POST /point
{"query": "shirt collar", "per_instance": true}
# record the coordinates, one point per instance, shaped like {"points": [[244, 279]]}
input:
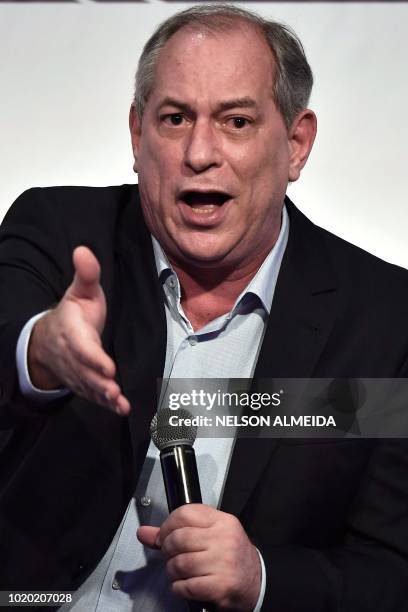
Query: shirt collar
{"points": [[163, 265], [264, 282]]}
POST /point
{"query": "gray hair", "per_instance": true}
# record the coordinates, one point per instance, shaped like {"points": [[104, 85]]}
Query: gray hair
{"points": [[293, 79]]}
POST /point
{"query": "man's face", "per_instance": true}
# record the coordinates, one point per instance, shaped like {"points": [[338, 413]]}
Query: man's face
{"points": [[213, 153]]}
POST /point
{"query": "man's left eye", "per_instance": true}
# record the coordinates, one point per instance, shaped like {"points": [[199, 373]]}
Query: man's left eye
{"points": [[239, 122]]}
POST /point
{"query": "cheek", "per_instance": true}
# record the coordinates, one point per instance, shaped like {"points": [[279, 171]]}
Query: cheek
{"points": [[266, 156], [146, 199], [159, 153], [272, 168], [150, 179], [156, 191], [264, 181]]}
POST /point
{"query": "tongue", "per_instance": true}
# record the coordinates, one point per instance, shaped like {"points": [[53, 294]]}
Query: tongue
{"points": [[197, 200]]}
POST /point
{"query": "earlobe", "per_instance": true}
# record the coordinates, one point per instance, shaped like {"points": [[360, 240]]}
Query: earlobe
{"points": [[301, 138]]}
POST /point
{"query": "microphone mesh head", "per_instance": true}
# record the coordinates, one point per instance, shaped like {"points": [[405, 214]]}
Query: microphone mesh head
{"points": [[163, 434]]}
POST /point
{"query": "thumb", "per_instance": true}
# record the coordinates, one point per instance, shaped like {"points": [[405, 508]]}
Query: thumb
{"points": [[149, 536], [87, 274]]}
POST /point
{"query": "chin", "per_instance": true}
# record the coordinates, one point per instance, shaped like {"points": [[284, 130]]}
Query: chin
{"points": [[203, 248], [204, 258], [197, 250]]}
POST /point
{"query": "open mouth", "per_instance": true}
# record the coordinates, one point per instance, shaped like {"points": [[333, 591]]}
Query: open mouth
{"points": [[204, 202]]}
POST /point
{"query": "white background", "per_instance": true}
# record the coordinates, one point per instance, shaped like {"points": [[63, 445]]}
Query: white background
{"points": [[66, 79]]}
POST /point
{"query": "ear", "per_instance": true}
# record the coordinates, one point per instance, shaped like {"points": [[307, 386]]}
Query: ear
{"points": [[301, 138], [135, 130]]}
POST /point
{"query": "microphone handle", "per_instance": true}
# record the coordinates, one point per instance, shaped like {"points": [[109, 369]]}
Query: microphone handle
{"points": [[180, 476], [182, 486]]}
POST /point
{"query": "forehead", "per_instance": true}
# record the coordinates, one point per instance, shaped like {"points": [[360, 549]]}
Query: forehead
{"points": [[205, 62]]}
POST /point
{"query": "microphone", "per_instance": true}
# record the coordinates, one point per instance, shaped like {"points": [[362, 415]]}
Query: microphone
{"points": [[179, 467]]}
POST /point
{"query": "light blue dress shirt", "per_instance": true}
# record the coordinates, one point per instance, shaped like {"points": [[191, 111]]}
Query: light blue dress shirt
{"points": [[129, 577]]}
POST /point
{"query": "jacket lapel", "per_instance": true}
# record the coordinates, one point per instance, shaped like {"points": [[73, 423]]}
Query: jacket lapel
{"points": [[302, 315], [139, 325]]}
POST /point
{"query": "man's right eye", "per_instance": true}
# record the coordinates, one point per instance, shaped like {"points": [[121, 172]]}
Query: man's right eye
{"points": [[173, 119]]}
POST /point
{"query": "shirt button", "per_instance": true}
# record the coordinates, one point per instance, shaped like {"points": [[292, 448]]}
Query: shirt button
{"points": [[192, 340], [115, 585], [172, 282], [145, 501]]}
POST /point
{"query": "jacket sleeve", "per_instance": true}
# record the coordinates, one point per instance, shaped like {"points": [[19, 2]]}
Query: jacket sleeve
{"points": [[369, 570], [33, 257]]}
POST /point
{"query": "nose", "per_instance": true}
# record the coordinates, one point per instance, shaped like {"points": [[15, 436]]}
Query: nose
{"points": [[202, 149]]}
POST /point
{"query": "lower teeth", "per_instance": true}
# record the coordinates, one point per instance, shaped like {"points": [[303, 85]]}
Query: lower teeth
{"points": [[204, 209]]}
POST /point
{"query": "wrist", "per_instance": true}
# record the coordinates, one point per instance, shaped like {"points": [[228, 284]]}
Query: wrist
{"points": [[37, 355], [255, 583]]}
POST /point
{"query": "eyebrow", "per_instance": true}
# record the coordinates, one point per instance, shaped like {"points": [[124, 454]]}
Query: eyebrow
{"points": [[244, 102], [174, 102]]}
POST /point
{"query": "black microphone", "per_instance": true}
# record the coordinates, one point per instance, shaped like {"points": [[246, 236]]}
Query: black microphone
{"points": [[179, 467]]}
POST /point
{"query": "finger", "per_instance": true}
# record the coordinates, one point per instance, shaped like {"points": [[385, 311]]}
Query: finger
{"points": [[92, 377], [86, 357], [147, 535], [87, 274], [185, 539], [91, 384], [95, 383], [104, 391], [189, 515], [104, 388], [198, 588], [122, 405], [89, 353], [189, 565], [80, 340]]}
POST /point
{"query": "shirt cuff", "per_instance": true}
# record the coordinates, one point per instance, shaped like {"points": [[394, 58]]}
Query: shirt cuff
{"points": [[26, 386], [263, 585]]}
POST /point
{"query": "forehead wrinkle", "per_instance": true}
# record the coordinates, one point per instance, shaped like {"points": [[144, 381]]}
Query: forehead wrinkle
{"points": [[244, 102]]}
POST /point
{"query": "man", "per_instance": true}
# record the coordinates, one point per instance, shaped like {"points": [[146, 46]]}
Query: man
{"points": [[219, 126]]}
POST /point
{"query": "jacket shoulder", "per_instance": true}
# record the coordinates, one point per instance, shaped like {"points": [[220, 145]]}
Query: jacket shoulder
{"points": [[356, 267], [70, 202], [44, 225]]}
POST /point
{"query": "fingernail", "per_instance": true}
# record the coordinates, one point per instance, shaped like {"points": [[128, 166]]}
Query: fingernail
{"points": [[119, 410], [108, 396]]}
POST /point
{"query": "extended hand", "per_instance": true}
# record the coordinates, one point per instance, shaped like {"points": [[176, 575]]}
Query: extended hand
{"points": [[65, 347], [210, 557]]}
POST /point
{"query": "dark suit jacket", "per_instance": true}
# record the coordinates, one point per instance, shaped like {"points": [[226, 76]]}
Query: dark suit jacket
{"points": [[330, 517]]}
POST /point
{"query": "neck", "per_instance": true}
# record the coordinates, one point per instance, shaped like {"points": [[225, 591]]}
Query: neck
{"points": [[207, 293]]}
